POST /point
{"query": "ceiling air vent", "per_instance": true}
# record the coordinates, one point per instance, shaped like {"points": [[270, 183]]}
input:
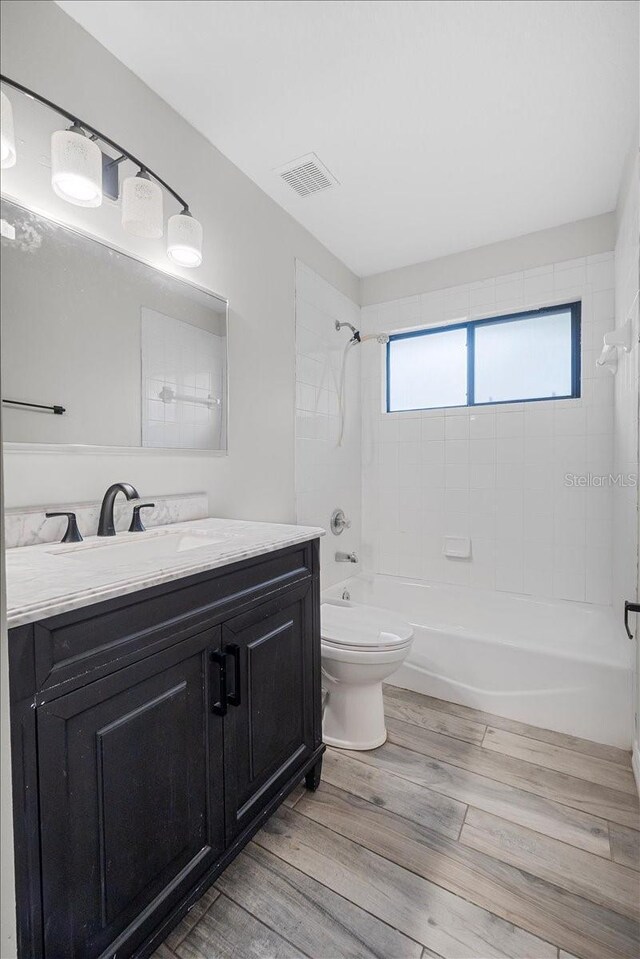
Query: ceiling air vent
{"points": [[307, 175]]}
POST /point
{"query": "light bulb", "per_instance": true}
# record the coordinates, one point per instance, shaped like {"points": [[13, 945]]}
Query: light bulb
{"points": [[7, 136], [76, 167], [184, 240], [142, 206]]}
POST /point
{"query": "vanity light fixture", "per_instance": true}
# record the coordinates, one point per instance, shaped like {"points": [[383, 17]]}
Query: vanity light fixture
{"points": [[184, 239], [142, 206], [76, 167], [7, 136], [82, 172]]}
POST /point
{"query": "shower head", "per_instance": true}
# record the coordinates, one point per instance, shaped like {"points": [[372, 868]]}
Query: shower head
{"points": [[356, 333], [358, 338]]}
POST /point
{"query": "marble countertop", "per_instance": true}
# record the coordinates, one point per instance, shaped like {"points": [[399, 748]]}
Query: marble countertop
{"points": [[49, 579]]}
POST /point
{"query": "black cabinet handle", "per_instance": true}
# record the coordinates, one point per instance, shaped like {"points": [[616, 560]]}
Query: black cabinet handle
{"points": [[234, 651], [219, 707], [630, 608]]}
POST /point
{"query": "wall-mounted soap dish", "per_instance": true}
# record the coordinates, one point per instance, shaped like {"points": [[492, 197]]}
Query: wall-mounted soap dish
{"points": [[456, 547]]}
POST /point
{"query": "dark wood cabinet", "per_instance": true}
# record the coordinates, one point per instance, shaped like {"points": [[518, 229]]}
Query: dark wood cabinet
{"points": [[269, 725], [158, 744], [131, 783]]}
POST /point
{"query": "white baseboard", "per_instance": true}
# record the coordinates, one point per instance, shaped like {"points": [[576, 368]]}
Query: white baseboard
{"points": [[635, 762]]}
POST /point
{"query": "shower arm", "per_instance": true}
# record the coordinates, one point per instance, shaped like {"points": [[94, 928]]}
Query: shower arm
{"points": [[356, 333], [358, 338]]}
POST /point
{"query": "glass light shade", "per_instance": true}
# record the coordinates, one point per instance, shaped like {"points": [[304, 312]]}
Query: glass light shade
{"points": [[142, 207], [7, 136], [184, 240], [76, 168]]}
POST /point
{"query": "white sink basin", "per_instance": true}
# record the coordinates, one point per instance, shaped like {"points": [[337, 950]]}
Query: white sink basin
{"points": [[139, 547]]}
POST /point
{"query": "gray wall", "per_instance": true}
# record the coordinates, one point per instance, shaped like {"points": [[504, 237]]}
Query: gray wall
{"points": [[582, 238], [250, 246]]}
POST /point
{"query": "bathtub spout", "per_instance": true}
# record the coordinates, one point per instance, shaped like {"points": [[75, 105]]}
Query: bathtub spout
{"points": [[346, 557]]}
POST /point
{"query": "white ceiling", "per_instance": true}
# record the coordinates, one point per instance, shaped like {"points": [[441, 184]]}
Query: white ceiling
{"points": [[448, 124]]}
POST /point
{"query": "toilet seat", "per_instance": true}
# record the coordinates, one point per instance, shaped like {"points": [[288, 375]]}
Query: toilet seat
{"points": [[365, 628], [381, 647]]}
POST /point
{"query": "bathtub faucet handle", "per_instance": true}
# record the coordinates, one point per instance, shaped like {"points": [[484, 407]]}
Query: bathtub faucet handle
{"points": [[339, 522]]}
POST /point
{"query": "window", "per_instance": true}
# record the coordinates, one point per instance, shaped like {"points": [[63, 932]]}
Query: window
{"points": [[506, 359]]}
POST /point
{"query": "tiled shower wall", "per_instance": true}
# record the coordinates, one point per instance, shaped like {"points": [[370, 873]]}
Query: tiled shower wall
{"points": [[327, 475], [495, 473]]}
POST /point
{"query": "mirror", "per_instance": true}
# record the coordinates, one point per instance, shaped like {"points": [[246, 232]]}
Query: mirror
{"points": [[101, 349]]}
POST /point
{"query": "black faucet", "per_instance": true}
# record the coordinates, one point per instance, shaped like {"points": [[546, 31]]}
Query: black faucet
{"points": [[105, 523]]}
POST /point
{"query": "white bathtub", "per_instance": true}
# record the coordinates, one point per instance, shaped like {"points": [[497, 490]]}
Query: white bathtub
{"points": [[555, 664]]}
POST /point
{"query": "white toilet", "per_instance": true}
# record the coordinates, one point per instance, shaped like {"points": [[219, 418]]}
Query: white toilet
{"points": [[361, 647]]}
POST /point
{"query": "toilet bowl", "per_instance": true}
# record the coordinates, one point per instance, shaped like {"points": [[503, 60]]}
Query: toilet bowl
{"points": [[361, 647]]}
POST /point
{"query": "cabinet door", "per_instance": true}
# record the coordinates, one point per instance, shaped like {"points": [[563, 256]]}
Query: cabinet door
{"points": [[269, 722], [131, 797]]}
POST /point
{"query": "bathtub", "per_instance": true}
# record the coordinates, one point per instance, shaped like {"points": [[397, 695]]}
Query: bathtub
{"points": [[555, 664]]}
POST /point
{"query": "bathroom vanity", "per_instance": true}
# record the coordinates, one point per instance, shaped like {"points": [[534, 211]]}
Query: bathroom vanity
{"points": [[164, 701]]}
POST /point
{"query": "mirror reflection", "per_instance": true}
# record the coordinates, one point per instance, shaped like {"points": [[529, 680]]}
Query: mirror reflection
{"points": [[101, 349]]}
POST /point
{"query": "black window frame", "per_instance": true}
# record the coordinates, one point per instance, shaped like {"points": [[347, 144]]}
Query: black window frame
{"points": [[575, 308]]}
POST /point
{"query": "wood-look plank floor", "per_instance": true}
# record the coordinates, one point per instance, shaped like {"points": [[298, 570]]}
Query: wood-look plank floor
{"points": [[466, 836]]}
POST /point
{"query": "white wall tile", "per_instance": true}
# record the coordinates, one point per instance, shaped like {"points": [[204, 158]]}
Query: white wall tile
{"points": [[433, 476], [509, 566], [456, 475], [433, 452], [510, 449], [538, 284], [482, 451], [456, 451], [456, 428], [497, 472], [432, 428], [327, 476], [509, 424], [570, 421], [600, 273], [482, 476], [482, 426], [538, 569], [409, 430], [482, 294], [569, 573]]}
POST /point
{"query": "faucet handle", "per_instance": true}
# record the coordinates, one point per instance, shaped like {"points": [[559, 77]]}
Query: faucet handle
{"points": [[339, 522], [72, 534], [136, 523]]}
